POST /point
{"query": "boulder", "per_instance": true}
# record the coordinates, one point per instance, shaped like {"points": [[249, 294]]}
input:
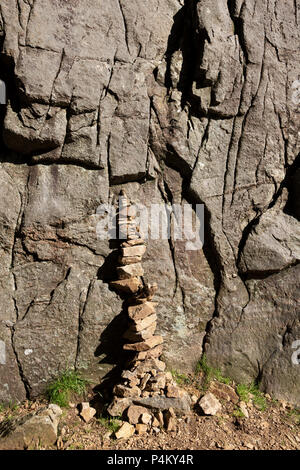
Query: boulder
{"points": [[32, 430]]}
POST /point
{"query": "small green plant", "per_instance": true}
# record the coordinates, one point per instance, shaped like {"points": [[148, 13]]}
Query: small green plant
{"points": [[180, 378], [295, 415], [246, 392], [210, 373], [238, 413], [243, 392], [112, 424], [67, 384], [76, 446]]}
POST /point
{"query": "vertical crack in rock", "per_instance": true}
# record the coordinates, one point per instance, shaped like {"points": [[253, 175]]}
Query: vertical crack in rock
{"points": [[24, 379], [221, 115], [125, 26], [167, 198], [84, 296]]}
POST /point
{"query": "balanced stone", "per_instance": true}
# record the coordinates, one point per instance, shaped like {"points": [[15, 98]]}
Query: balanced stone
{"points": [[132, 270], [144, 345], [129, 260], [124, 392], [151, 353], [145, 323], [137, 250], [140, 311], [129, 286], [137, 336], [128, 243]]}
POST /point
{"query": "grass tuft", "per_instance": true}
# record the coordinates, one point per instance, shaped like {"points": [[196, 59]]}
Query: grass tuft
{"points": [[112, 424], [210, 373], [238, 413], [246, 392], [63, 387], [181, 379]]}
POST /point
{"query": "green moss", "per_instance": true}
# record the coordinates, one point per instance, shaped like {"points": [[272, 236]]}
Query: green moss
{"points": [[63, 387], [295, 415], [210, 373], [238, 413], [112, 424], [181, 379], [246, 392]]}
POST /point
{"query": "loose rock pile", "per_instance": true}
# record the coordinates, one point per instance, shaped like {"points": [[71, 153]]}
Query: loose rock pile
{"points": [[147, 394]]}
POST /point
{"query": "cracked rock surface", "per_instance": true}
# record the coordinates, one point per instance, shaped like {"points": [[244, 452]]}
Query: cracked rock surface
{"points": [[174, 101]]}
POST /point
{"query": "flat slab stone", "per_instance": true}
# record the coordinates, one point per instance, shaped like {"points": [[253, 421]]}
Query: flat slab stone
{"points": [[130, 270], [128, 286], [141, 311], [144, 345], [160, 403], [143, 324], [137, 250]]}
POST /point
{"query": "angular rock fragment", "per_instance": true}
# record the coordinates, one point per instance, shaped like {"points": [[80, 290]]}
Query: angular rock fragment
{"points": [[143, 324], [124, 392], [31, 430], [129, 260], [134, 413], [126, 430], [172, 391], [128, 286], [209, 404], [170, 420], [87, 412], [141, 311], [161, 403], [118, 406], [129, 271], [146, 418], [136, 336], [135, 250], [141, 428], [129, 243], [150, 354], [144, 345]]}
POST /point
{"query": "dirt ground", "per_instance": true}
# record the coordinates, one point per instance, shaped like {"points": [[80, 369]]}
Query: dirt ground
{"points": [[275, 428]]}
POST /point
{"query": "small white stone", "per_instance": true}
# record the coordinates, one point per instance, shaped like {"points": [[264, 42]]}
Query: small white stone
{"points": [[27, 352]]}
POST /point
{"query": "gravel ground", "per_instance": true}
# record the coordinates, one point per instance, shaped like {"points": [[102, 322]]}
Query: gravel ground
{"points": [[277, 427]]}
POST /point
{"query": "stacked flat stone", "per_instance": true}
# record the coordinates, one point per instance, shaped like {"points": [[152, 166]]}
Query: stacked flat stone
{"points": [[146, 392]]}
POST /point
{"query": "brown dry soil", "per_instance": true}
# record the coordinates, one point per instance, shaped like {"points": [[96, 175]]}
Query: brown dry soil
{"points": [[275, 428]]}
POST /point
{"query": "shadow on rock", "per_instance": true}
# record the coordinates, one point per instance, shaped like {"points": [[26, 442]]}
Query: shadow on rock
{"points": [[111, 347]]}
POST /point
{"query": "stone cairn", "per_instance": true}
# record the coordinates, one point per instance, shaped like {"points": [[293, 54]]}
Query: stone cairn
{"points": [[147, 397]]}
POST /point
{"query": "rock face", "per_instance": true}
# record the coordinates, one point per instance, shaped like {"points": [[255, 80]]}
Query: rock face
{"points": [[194, 101]]}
